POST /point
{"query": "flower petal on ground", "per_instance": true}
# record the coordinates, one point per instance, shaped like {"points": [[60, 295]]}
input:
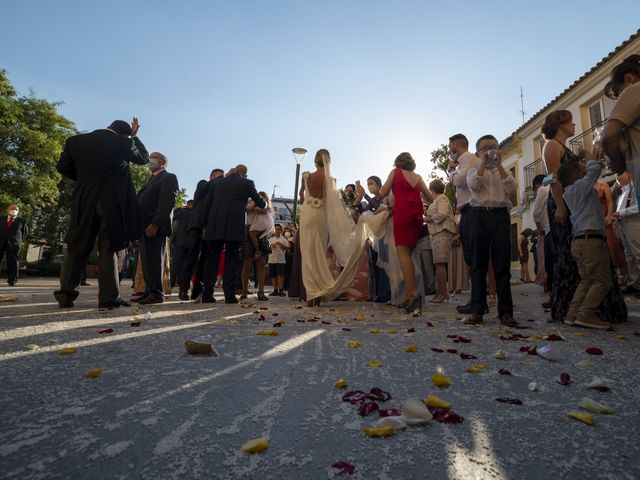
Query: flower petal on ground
{"points": [[466, 356], [374, 363], [378, 394], [583, 417], [411, 348], [354, 343], [389, 412], [93, 373], [595, 407], [343, 468], [440, 380], [354, 397], [341, 383], [256, 445], [433, 401], [379, 431], [438, 350], [511, 401], [106, 330], [593, 351], [504, 371], [67, 351], [270, 333], [367, 408], [565, 379]]}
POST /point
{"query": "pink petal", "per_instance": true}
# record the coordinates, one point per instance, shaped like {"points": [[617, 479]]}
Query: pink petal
{"points": [[261, 318], [378, 394], [354, 397], [503, 371], [325, 322], [390, 412], [366, 408], [555, 338], [438, 350], [106, 330], [344, 467], [565, 379], [512, 401], [429, 324], [452, 350], [466, 356], [445, 416]]}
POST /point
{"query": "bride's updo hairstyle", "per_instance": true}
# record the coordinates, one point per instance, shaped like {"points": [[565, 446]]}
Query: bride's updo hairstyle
{"points": [[320, 155], [405, 161], [553, 121]]}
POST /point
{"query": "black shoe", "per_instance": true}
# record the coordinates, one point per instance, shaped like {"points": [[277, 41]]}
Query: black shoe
{"points": [[117, 303], [630, 289], [65, 304], [231, 300], [473, 319], [468, 309], [183, 296], [507, 320], [208, 300], [151, 300], [85, 284], [12, 283], [65, 299]]}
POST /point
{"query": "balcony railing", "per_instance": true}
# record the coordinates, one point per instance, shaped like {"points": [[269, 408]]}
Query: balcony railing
{"points": [[530, 171], [586, 138]]}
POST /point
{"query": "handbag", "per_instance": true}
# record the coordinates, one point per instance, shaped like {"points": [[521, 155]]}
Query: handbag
{"points": [[265, 246]]}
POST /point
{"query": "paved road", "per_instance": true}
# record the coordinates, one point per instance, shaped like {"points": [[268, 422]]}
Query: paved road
{"points": [[158, 413]]}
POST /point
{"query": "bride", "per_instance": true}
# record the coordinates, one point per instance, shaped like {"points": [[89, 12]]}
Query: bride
{"points": [[325, 220]]}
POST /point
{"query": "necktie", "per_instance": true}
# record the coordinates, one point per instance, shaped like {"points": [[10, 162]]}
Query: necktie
{"points": [[9, 222]]}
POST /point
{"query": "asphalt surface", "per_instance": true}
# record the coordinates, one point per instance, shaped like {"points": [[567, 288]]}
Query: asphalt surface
{"points": [[156, 412]]}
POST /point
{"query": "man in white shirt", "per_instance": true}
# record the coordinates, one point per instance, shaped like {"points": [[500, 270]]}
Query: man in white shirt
{"points": [[491, 189], [461, 160], [628, 219], [543, 228]]}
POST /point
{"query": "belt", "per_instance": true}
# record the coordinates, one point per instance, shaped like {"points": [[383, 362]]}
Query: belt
{"points": [[586, 236], [490, 209]]}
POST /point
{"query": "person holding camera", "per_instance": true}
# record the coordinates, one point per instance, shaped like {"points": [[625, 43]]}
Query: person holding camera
{"points": [[491, 189]]}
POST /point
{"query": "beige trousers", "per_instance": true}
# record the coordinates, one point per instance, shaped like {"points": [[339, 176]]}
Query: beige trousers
{"points": [[594, 267]]}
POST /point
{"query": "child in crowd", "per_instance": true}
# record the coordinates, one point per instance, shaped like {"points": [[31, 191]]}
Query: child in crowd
{"points": [[261, 223], [588, 247], [277, 261]]}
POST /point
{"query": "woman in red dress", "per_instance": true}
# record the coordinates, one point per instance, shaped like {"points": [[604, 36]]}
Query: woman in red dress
{"points": [[407, 186]]}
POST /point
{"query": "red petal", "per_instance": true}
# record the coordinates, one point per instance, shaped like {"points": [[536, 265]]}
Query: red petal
{"points": [[565, 379], [277, 324], [378, 394], [274, 314], [555, 338], [529, 350], [452, 350], [390, 412], [445, 416], [298, 307], [345, 329], [464, 340], [135, 324], [438, 350], [106, 330], [452, 336], [354, 396], [366, 408], [503, 371], [466, 356], [429, 324], [344, 467], [411, 330], [601, 389], [593, 351], [300, 320], [261, 318], [325, 322], [512, 401]]}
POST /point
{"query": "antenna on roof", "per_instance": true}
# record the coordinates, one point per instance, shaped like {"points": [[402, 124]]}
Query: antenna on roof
{"points": [[522, 112]]}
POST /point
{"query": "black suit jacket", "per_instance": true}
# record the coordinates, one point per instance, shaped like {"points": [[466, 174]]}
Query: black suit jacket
{"points": [[15, 235], [227, 217], [180, 234], [99, 164], [156, 199]]}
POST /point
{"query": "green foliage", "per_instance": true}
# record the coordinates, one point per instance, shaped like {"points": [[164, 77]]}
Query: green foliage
{"points": [[181, 198], [140, 174], [440, 161], [32, 135]]}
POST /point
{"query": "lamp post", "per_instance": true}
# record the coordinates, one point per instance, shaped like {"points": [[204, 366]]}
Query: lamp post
{"points": [[298, 155]]}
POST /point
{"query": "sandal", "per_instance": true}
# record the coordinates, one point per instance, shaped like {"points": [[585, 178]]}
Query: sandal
{"points": [[262, 296]]}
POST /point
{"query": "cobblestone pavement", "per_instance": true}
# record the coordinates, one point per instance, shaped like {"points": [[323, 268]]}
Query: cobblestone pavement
{"points": [[156, 412]]}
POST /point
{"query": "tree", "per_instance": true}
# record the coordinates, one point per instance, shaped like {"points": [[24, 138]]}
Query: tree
{"points": [[140, 174], [440, 161], [32, 135]]}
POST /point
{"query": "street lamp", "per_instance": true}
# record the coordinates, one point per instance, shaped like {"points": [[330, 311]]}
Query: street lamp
{"points": [[298, 155]]}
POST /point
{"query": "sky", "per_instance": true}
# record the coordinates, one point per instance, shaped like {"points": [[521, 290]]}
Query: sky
{"points": [[217, 83]]}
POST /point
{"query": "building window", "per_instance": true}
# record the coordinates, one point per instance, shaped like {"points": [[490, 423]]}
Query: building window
{"points": [[596, 113]]}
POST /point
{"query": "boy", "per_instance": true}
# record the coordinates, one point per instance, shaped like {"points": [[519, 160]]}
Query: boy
{"points": [[277, 261], [589, 248]]}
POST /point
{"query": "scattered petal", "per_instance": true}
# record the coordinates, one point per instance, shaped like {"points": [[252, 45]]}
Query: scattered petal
{"points": [[354, 397], [554, 338], [579, 334], [411, 348], [361, 318], [583, 417], [593, 351], [440, 380], [31, 346], [435, 402], [374, 363], [341, 383], [354, 343], [367, 408], [500, 355], [565, 379], [466, 356], [390, 412], [595, 407], [271, 333], [392, 331], [415, 411], [438, 350], [445, 416], [429, 324], [620, 337], [275, 314], [548, 353], [256, 445], [343, 468], [277, 324], [374, 330], [511, 401], [93, 373], [135, 324], [533, 386], [346, 329], [478, 368], [584, 363], [67, 351], [106, 330], [411, 330], [378, 394], [379, 431], [503, 371], [261, 318], [147, 316], [452, 350], [325, 322]]}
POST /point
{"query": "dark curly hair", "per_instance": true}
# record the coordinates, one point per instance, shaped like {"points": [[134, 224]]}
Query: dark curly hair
{"points": [[405, 161], [631, 65], [553, 121]]}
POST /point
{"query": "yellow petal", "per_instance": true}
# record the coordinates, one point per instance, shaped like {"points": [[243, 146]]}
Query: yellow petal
{"points": [[392, 331], [374, 363], [583, 417], [255, 446], [440, 380], [272, 333], [93, 373], [67, 351], [354, 343], [361, 318], [379, 431], [621, 337], [436, 402], [579, 334], [341, 383], [595, 407], [7, 298], [411, 348], [375, 330], [31, 346], [536, 336]]}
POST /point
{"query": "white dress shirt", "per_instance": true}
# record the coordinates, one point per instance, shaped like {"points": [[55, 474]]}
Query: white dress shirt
{"points": [[459, 178], [489, 190], [627, 202], [540, 212]]}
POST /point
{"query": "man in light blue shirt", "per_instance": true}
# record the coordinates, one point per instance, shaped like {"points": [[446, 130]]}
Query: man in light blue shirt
{"points": [[589, 247]]}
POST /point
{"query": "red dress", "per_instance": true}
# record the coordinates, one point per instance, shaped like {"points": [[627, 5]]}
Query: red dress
{"points": [[407, 211]]}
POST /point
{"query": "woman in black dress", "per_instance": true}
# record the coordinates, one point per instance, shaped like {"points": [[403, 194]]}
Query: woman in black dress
{"points": [[557, 128]]}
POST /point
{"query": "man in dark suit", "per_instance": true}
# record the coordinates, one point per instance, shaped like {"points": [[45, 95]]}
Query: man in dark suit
{"points": [[103, 205], [226, 226], [181, 240], [156, 200], [13, 230]]}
